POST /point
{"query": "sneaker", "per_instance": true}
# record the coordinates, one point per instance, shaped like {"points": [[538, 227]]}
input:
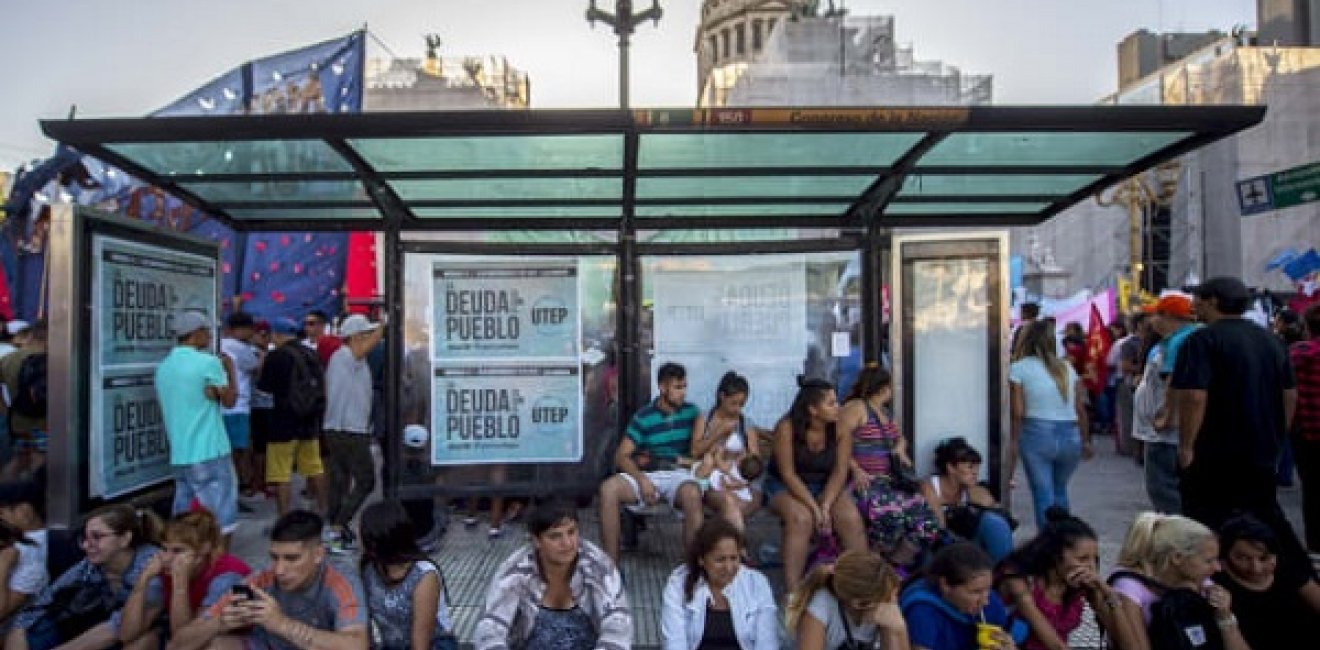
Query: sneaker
{"points": [[469, 521], [495, 533]]}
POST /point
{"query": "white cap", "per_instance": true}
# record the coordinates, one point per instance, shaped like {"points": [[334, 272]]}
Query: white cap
{"points": [[415, 436], [189, 322], [13, 327], [356, 324]]}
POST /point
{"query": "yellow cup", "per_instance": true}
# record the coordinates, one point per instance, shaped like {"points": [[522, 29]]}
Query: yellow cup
{"points": [[985, 636]]}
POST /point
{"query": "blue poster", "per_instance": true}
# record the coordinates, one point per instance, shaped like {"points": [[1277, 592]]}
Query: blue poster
{"points": [[516, 311], [506, 414]]}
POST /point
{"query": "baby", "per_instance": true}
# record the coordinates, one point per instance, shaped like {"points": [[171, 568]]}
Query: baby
{"points": [[720, 471]]}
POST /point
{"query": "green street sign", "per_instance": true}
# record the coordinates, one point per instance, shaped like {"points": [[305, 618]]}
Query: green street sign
{"points": [[1296, 186]]}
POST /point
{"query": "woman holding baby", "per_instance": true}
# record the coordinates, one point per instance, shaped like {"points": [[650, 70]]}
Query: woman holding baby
{"points": [[727, 454]]}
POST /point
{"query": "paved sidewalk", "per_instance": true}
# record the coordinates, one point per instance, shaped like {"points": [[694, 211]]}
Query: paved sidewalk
{"points": [[1107, 492]]}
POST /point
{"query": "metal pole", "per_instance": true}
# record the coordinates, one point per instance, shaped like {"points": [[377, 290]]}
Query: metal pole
{"points": [[1134, 203], [623, 70]]}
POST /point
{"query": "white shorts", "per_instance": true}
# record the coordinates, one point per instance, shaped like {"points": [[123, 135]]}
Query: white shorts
{"points": [[666, 483]]}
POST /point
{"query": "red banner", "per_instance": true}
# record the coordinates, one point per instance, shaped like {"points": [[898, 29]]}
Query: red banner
{"points": [[1098, 342]]}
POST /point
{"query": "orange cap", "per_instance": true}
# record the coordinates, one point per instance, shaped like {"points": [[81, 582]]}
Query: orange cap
{"points": [[1176, 305]]}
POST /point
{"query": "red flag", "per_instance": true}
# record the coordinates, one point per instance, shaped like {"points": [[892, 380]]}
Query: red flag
{"points": [[1098, 342]]}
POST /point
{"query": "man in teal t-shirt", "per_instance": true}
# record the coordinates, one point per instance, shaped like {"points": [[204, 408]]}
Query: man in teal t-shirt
{"points": [[191, 386]]}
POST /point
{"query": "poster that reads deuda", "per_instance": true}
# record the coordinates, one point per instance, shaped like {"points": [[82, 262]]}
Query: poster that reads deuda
{"points": [[137, 291], [130, 449], [514, 310], [490, 414]]}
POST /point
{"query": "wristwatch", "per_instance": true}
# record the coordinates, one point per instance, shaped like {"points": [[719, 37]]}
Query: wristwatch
{"points": [[1229, 621]]}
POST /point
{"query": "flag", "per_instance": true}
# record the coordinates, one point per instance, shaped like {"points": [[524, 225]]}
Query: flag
{"points": [[1098, 342]]}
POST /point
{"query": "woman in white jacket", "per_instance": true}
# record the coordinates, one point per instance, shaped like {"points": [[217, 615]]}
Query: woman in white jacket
{"points": [[713, 602]]}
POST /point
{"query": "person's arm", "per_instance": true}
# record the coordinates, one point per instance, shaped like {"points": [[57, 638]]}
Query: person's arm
{"points": [[1222, 602], [1191, 413], [850, 419], [1016, 590], [10, 600], [1017, 408], [839, 477], [497, 618], [99, 637], [673, 615], [226, 394], [265, 612], [226, 616], [810, 632], [1112, 617], [137, 616], [936, 504], [980, 496], [1083, 420], [615, 624], [425, 602], [766, 613], [705, 438]]}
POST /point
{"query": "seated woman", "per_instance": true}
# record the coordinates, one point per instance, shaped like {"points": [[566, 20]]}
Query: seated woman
{"points": [[963, 506], [404, 590], [726, 435], [713, 602], [953, 605], [1049, 581], [899, 524], [194, 571], [1272, 613], [559, 591], [1168, 554], [852, 601], [82, 608], [23, 570], [808, 477]]}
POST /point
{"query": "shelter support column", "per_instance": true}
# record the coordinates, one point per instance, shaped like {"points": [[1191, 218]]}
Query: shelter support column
{"points": [[394, 347]]}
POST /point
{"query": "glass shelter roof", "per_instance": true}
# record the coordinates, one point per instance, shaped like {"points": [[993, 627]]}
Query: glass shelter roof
{"points": [[659, 168]]}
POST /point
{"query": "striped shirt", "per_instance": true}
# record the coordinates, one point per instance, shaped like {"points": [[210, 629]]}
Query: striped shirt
{"points": [[665, 435], [1306, 364]]}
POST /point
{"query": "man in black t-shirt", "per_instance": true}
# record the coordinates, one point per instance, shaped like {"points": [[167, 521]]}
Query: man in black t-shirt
{"points": [[1235, 395], [292, 443]]}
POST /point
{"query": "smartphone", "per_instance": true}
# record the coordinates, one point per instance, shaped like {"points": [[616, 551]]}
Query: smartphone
{"points": [[243, 592]]}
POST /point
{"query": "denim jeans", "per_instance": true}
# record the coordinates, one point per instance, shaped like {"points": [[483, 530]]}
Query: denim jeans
{"points": [[1162, 477], [214, 484], [1051, 451]]}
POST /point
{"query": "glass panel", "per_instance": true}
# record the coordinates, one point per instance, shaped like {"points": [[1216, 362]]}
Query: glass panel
{"points": [[568, 212], [677, 150], [293, 214], [990, 184], [510, 188], [239, 157], [278, 191], [767, 317], [511, 152], [771, 210], [1001, 149], [516, 236], [590, 292], [721, 235], [964, 208], [737, 186]]}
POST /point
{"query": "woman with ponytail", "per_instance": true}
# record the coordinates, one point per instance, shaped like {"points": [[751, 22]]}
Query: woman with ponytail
{"points": [[713, 602], [1049, 581], [83, 607], [725, 438], [194, 572], [899, 523], [405, 592], [807, 482], [850, 604]]}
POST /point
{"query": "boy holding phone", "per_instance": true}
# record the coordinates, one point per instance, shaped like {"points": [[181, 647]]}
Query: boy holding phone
{"points": [[300, 601]]}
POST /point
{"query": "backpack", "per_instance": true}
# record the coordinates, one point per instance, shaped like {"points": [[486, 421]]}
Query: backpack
{"points": [[1180, 620], [31, 397], [306, 396]]}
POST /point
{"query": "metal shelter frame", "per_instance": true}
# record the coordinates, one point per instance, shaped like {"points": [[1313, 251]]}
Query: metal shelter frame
{"points": [[987, 166]]}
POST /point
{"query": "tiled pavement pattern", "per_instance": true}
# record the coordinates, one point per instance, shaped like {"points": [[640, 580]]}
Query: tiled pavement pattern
{"points": [[1107, 492]]}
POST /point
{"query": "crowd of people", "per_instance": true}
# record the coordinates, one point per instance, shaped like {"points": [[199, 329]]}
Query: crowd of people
{"points": [[874, 554]]}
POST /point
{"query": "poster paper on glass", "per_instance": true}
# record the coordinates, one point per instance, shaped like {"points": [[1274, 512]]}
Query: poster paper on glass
{"points": [[490, 311], [133, 449], [506, 414]]}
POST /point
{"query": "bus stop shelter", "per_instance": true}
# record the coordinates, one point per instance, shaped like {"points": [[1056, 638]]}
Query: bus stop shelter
{"points": [[538, 263]]}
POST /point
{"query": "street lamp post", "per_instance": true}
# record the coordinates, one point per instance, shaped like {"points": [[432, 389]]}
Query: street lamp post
{"points": [[624, 22], [1139, 195]]}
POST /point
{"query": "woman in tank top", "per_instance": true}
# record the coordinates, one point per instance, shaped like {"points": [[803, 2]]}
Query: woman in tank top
{"points": [[899, 524], [808, 477], [957, 468], [726, 431]]}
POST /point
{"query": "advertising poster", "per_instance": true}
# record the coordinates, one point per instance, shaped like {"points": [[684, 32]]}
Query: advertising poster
{"points": [[137, 290], [134, 449], [506, 414], [749, 316], [491, 311]]}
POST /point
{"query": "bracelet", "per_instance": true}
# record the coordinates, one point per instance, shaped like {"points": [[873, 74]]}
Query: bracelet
{"points": [[1225, 623]]}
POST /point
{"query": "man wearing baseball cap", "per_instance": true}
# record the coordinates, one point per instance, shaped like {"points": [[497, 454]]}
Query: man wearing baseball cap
{"points": [[1154, 425], [1235, 396], [348, 425], [192, 385], [292, 376]]}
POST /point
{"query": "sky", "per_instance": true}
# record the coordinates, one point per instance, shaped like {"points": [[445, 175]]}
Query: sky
{"points": [[120, 59]]}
